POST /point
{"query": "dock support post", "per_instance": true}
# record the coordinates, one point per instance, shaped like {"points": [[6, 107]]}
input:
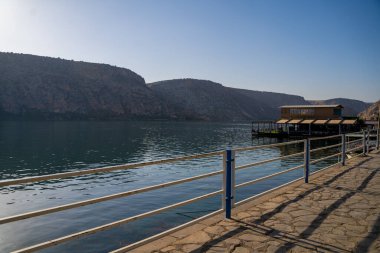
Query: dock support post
{"points": [[270, 129], [343, 149], [307, 159], [229, 181]]}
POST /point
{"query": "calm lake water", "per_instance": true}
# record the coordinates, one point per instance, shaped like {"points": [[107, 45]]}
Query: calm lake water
{"points": [[38, 148]]}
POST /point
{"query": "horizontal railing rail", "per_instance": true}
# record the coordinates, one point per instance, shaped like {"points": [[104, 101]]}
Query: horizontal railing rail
{"points": [[267, 161], [354, 141], [325, 158], [354, 149], [104, 198], [267, 146], [228, 191], [267, 177], [103, 169], [114, 224], [327, 147], [325, 137]]}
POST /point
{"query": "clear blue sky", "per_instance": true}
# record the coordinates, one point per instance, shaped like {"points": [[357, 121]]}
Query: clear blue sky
{"points": [[316, 49]]}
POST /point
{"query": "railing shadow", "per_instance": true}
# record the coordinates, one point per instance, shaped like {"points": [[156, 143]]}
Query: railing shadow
{"points": [[315, 223], [366, 243]]}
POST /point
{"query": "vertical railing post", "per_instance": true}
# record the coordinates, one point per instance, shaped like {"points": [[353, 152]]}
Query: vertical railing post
{"points": [[343, 149], [377, 138], [364, 142], [229, 181], [367, 142], [306, 159]]}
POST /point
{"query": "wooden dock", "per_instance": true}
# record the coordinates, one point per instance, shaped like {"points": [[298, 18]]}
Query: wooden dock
{"points": [[338, 211]]}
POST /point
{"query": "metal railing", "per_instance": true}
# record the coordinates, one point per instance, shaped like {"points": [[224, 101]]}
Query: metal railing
{"points": [[345, 146]]}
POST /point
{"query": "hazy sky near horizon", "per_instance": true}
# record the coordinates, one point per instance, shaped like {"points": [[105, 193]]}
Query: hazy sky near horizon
{"points": [[316, 49]]}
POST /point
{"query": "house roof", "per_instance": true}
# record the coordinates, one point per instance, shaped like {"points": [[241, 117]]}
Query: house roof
{"points": [[282, 121], [320, 121], [307, 121], [335, 122], [295, 121], [349, 121], [311, 106]]}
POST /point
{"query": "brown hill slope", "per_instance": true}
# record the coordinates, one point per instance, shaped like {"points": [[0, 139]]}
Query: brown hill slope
{"points": [[43, 87], [50, 88], [212, 101], [371, 113]]}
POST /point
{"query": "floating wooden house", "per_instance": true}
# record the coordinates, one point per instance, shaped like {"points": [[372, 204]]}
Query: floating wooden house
{"points": [[307, 120]]}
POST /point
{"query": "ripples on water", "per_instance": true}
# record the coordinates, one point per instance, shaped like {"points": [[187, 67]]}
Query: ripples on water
{"points": [[38, 148]]}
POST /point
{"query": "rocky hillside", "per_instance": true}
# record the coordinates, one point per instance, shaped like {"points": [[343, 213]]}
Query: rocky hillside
{"points": [[352, 107], [35, 87], [371, 113], [207, 100], [43, 87]]}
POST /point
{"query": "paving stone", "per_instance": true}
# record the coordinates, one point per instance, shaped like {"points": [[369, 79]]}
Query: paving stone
{"points": [[284, 216], [232, 241], [243, 215], [306, 218], [299, 213], [226, 223], [211, 221], [355, 228], [167, 249], [338, 231], [342, 220], [214, 230], [152, 246], [252, 237], [269, 205], [254, 214], [191, 248], [242, 250], [283, 227], [198, 237], [216, 249], [189, 230], [278, 199], [299, 249]]}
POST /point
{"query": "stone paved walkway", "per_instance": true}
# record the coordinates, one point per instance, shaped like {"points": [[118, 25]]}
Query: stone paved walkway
{"points": [[338, 211]]}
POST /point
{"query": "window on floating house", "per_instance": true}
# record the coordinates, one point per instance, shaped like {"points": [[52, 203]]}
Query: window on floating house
{"points": [[338, 112], [302, 112]]}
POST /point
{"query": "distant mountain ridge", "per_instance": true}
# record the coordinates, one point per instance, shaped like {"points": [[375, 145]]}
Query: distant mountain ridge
{"points": [[44, 87], [35, 87], [352, 107], [212, 101]]}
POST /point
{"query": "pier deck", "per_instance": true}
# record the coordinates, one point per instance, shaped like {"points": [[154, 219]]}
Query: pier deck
{"points": [[338, 211]]}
